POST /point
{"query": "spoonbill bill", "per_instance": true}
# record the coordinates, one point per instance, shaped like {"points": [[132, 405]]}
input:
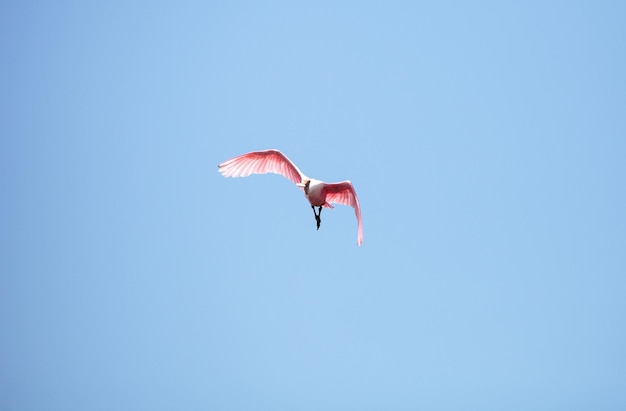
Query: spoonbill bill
{"points": [[319, 193]]}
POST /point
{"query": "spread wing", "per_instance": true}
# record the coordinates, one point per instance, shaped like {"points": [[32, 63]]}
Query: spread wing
{"points": [[343, 193], [261, 162]]}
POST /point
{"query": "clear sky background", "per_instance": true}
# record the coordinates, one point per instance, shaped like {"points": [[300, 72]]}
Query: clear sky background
{"points": [[486, 142]]}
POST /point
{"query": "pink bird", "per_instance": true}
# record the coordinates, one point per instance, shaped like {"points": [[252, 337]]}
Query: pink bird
{"points": [[319, 193]]}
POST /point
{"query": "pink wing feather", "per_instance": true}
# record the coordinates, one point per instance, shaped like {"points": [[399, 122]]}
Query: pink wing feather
{"points": [[343, 193], [261, 162]]}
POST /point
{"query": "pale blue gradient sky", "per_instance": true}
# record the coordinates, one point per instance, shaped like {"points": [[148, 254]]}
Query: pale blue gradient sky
{"points": [[486, 141]]}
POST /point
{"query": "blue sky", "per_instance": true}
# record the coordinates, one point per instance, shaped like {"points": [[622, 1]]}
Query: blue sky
{"points": [[486, 142]]}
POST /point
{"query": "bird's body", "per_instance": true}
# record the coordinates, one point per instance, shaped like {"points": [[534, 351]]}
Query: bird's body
{"points": [[315, 194], [318, 193]]}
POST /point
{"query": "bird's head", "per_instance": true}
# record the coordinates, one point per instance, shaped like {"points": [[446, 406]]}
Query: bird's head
{"points": [[305, 185]]}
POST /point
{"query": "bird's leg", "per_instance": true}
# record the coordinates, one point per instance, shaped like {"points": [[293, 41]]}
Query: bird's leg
{"points": [[317, 216]]}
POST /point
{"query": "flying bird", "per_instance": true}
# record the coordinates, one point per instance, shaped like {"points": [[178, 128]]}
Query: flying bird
{"points": [[319, 193]]}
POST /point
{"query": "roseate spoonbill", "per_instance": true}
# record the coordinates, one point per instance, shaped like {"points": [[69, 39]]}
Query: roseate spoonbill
{"points": [[319, 193]]}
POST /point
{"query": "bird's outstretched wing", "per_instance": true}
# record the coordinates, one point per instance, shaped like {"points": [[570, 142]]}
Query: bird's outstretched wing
{"points": [[343, 193], [261, 162]]}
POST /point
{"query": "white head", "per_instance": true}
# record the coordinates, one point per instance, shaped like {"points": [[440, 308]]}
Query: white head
{"points": [[305, 185]]}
